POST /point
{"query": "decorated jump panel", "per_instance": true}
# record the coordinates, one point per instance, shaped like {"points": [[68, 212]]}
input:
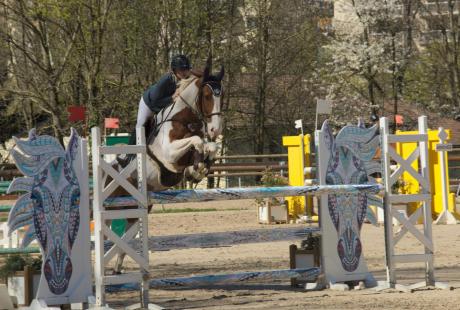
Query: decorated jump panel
{"points": [[345, 159], [55, 211]]}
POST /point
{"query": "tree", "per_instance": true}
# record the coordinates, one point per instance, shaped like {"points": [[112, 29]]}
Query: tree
{"points": [[370, 49], [40, 42]]}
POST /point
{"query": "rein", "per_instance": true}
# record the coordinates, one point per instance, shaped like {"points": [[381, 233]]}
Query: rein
{"points": [[197, 110]]}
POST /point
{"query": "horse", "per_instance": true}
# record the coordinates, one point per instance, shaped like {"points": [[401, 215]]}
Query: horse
{"points": [[182, 144]]}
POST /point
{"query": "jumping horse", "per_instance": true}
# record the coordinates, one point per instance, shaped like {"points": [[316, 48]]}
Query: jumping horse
{"points": [[182, 143]]}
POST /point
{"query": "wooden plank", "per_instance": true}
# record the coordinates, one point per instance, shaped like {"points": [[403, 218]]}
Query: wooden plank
{"points": [[127, 236], [400, 168], [407, 166], [223, 239], [123, 214], [122, 149], [223, 279], [413, 220], [245, 164], [215, 168], [412, 258], [5, 208], [239, 174], [395, 199], [407, 138], [413, 230], [125, 173], [142, 261], [252, 156], [123, 278], [123, 182]]}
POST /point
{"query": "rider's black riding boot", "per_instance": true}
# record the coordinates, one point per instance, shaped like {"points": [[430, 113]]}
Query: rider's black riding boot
{"points": [[125, 160]]}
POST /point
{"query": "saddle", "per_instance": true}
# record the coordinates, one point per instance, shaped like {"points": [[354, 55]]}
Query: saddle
{"points": [[150, 134]]}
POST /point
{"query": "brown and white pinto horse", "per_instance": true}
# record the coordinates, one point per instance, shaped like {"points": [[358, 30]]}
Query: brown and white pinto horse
{"points": [[183, 142]]}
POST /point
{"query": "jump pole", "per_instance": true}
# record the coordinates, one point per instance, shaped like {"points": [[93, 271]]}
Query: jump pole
{"points": [[186, 196], [220, 279]]}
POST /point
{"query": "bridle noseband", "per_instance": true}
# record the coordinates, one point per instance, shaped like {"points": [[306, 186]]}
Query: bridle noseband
{"points": [[216, 91]]}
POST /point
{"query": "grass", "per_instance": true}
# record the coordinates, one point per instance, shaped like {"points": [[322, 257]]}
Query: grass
{"points": [[185, 210]]}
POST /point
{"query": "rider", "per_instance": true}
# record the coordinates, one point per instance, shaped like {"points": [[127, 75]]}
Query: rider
{"points": [[158, 96], [161, 94]]}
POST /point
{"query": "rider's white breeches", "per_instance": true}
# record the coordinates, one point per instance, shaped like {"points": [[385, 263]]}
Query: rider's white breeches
{"points": [[143, 114]]}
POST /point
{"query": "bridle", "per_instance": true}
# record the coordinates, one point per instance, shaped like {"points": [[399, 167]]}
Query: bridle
{"points": [[216, 91], [197, 109]]}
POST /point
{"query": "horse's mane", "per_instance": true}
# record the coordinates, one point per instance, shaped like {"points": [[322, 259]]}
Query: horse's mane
{"points": [[184, 83]]}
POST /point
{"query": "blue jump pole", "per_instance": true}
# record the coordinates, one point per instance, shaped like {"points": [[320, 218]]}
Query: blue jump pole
{"points": [[211, 280], [183, 196]]}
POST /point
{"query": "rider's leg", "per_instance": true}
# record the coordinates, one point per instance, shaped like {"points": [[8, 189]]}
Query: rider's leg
{"points": [[143, 115]]}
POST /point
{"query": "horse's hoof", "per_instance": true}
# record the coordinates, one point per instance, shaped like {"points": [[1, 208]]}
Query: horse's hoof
{"points": [[114, 272]]}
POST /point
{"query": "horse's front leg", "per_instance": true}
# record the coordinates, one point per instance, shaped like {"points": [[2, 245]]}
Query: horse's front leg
{"points": [[178, 148], [196, 175]]}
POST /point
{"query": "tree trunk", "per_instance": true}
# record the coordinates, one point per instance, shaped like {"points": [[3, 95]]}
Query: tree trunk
{"points": [[262, 60]]}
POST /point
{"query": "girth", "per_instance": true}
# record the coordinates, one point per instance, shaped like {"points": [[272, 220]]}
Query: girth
{"points": [[168, 178]]}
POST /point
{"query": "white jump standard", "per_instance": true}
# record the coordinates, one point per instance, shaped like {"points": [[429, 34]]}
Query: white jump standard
{"points": [[345, 165]]}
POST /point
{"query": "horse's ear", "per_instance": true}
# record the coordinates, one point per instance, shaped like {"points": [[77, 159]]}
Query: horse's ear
{"points": [[207, 69], [220, 76]]}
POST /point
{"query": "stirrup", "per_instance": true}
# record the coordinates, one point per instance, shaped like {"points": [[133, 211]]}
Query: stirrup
{"points": [[125, 160]]}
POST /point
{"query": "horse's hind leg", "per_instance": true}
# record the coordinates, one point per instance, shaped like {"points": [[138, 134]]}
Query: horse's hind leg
{"points": [[121, 256]]}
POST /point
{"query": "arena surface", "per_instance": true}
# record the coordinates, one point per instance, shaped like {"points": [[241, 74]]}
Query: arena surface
{"points": [[242, 215]]}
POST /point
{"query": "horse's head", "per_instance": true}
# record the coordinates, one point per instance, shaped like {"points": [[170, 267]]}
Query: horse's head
{"points": [[210, 101], [51, 205]]}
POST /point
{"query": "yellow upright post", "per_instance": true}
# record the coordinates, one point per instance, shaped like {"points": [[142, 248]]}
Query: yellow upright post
{"points": [[296, 205], [411, 186]]}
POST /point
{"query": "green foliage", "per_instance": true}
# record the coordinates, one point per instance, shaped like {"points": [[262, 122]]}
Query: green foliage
{"points": [[104, 54], [17, 262], [270, 178]]}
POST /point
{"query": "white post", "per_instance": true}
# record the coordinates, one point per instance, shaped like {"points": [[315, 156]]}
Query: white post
{"points": [[85, 209], [446, 217], [426, 204], [388, 223], [98, 207], [299, 125], [144, 228]]}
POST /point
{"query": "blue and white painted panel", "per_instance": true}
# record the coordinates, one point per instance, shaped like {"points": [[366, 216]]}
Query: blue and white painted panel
{"points": [[55, 211], [345, 159]]}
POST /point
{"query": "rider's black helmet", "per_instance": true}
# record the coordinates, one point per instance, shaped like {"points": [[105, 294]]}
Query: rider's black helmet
{"points": [[180, 62]]}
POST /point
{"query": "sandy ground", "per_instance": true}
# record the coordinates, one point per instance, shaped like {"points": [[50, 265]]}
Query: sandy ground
{"points": [[241, 215]]}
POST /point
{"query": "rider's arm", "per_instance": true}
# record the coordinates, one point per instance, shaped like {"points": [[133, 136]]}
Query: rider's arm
{"points": [[160, 95]]}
